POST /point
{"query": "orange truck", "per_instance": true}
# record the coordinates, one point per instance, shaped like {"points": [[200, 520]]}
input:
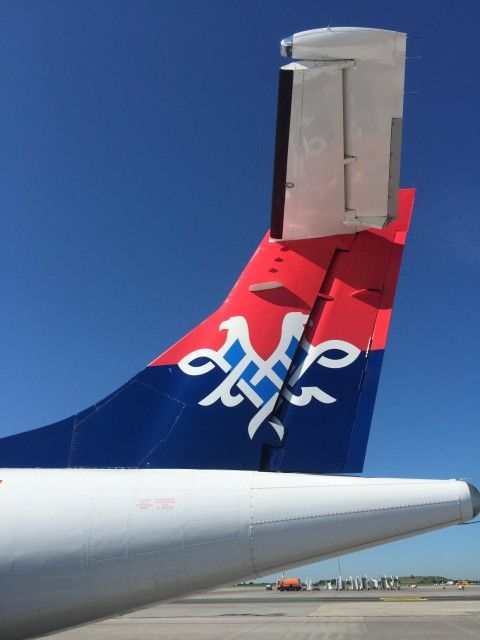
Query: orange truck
{"points": [[289, 584]]}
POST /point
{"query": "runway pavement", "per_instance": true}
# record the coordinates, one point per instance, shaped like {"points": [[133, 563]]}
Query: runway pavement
{"points": [[254, 613]]}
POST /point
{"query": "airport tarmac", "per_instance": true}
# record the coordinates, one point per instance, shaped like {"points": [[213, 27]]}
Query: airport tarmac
{"points": [[254, 613]]}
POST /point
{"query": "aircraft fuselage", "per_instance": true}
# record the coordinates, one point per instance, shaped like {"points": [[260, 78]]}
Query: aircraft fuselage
{"points": [[82, 544]]}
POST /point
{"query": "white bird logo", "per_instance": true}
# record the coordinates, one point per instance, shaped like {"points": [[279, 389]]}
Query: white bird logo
{"points": [[261, 381]]}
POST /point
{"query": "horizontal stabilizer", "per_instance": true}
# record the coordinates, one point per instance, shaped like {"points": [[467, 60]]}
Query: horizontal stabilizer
{"points": [[339, 128]]}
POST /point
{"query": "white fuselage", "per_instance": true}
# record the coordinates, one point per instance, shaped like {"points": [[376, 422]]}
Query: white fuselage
{"points": [[78, 544]]}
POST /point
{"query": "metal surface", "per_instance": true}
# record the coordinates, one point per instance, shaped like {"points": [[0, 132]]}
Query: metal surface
{"points": [[344, 140], [78, 545]]}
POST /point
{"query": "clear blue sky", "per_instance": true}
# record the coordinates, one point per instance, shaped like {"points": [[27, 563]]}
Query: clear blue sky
{"points": [[136, 166]]}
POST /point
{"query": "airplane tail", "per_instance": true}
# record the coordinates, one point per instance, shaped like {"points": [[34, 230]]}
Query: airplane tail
{"points": [[283, 376]]}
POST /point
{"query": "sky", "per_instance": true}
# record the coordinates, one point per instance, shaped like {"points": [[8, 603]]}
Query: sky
{"points": [[136, 167]]}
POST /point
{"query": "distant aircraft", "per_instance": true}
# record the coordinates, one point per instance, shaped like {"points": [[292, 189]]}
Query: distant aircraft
{"points": [[172, 484]]}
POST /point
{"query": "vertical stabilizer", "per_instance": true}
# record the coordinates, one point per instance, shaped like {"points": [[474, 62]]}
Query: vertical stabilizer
{"points": [[284, 375]]}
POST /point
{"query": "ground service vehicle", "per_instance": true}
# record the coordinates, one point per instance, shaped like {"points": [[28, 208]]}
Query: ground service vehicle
{"points": [[289, 584]]}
